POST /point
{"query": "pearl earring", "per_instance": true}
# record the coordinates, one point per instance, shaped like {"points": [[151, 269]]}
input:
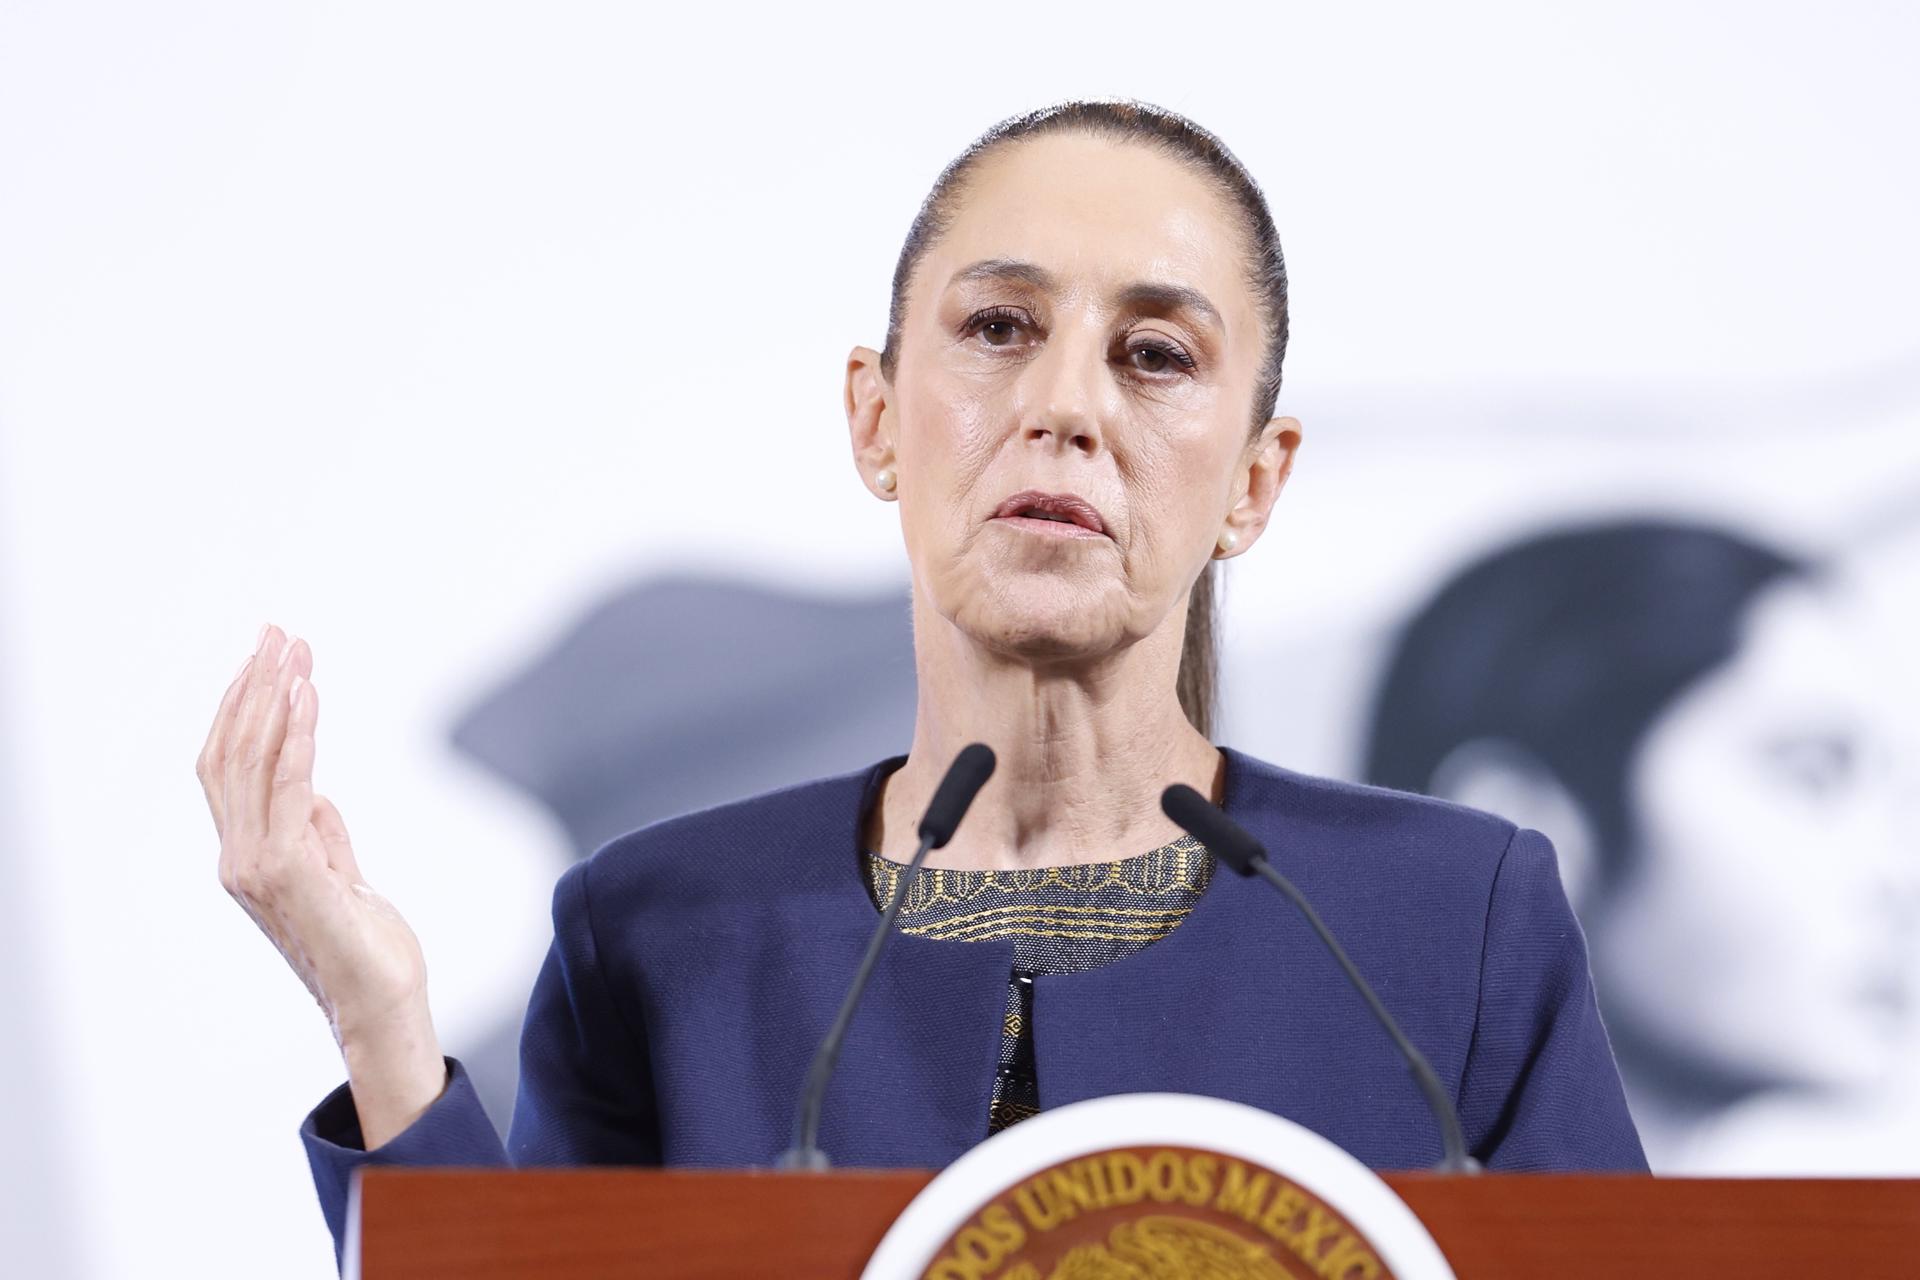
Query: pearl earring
{"points": [[1228, 540], [885, 479]]}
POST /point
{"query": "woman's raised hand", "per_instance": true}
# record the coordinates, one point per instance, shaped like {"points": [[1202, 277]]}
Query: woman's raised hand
{"points": [[285, 857]]}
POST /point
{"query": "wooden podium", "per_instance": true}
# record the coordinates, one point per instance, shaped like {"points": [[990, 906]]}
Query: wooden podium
{"points": [[569, 1224]]}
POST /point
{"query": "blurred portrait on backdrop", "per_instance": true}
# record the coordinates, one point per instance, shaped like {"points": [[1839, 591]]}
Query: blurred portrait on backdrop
{"points": [[1691, 715]]}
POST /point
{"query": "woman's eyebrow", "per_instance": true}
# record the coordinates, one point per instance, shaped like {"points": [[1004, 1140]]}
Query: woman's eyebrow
{"points": [[1142, 295], [1012, 269], [1159, 299]]}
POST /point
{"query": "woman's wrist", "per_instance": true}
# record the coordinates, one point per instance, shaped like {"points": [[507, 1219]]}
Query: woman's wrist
{"points": [[395, 1074]]}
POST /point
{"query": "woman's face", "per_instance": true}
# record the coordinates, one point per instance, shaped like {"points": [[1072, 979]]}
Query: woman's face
{"points": [[1765, 932], [1084, 329]]}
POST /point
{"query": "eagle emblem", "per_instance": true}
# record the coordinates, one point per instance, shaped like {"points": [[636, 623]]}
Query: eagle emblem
{"points": [[1162, 1247]]}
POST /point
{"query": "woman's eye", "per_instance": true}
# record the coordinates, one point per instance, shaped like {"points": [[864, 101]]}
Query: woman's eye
{"points": [[1000, 327], [1160, 358]]}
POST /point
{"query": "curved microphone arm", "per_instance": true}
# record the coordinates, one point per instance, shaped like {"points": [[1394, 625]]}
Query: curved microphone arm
{"points": [[1235, 846], [951, 799], [1452, 1141], [805, 1152]]}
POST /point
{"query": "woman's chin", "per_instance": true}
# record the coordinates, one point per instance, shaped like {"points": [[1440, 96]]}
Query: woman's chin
{"points": [[1042, 616], [1050, 632]]}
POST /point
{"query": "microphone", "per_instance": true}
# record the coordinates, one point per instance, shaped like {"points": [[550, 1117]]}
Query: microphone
{"points": [[1236, 847], [965, 776]]}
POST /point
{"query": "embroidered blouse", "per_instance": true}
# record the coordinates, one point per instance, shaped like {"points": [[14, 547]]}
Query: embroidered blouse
{"points": [[1060, 920]]}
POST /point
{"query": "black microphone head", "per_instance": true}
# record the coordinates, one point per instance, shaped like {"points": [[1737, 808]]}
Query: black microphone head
{"points": [[965, 776], [1228, 841]]}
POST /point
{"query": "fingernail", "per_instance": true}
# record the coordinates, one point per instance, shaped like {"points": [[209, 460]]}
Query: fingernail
{"points": [[262, 637], [293, 694], [245, 663], [287, 652]]}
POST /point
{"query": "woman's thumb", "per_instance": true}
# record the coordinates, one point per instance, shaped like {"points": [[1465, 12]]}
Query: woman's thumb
{"points": [[333, 835]]}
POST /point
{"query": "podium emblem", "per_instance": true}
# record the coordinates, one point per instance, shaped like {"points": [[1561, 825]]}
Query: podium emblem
{"points": [[1157, 1186]]}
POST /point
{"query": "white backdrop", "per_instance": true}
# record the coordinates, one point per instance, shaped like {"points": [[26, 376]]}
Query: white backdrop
{"points": [[411, 327]]}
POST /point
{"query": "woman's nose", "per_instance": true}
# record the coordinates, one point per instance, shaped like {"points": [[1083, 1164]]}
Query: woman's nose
{"points": [[1067, 396]]}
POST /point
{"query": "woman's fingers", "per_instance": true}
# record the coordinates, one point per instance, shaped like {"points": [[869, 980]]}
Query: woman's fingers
{"points": [[290, 788], [249, 807], [244, 745], [220, 741], [211, 766]]}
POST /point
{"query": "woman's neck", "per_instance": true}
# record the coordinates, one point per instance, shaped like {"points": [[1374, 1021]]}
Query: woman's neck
{"points": [[1082, 752]]}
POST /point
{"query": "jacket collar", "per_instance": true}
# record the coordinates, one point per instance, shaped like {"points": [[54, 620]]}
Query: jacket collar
{"points": [[1242, 797]]}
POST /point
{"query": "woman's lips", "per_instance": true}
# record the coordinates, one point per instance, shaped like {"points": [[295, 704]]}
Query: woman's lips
{"points": [[1052, 514], [1047, 528]]}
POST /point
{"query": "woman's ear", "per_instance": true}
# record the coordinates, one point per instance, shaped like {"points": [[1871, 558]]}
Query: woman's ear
{"points": [[1264, 468], [870, 422], [1503, 777]]}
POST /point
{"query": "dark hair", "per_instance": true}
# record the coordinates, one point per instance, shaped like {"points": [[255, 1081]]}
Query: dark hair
{"points": [[1569, 644], [1173, 135]]}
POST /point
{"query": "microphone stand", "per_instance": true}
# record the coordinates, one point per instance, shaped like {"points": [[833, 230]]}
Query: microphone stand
{"points": [[962, 782], [805, 1152]]}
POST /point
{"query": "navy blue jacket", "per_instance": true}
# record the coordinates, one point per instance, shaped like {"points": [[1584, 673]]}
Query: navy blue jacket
{"points": [[697, 961]]}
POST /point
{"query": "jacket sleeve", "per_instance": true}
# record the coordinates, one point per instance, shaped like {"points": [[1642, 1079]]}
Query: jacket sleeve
{"points": [[1540, 1089], [585, 1092]]}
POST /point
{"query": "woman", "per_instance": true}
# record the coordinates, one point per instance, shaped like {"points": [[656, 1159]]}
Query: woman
{"points": [[1692, 717], [1073, 410]]}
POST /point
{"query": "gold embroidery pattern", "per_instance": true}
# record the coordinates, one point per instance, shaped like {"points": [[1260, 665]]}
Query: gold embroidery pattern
{"points": [[1054, 922], [1182, 867], [1002, 1112]]}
